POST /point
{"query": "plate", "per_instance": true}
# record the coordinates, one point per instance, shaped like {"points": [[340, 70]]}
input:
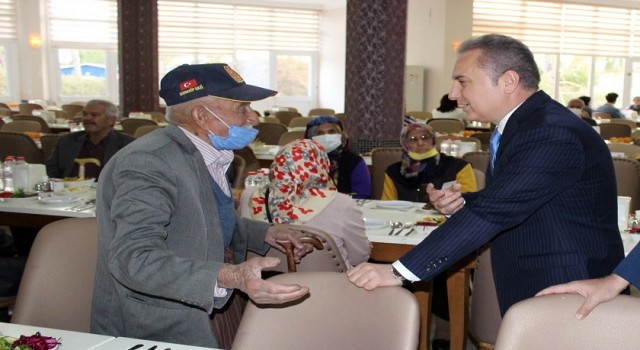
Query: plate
{"points": [[73, 191], [18, 200], [374, 224], [428, 211], [59, 200], [69, 184], [401, 205]]}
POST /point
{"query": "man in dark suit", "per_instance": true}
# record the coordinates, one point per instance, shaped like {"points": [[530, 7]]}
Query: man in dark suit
{"points": [[549, 209], [98, 140]]}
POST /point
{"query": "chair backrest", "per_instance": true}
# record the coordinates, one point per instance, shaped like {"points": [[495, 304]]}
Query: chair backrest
{"points": [[22, 126], [48, 143], [44, 127], [57, 283], [424, 115], [28, 108], [129, 125], [381, 158], [327, 259], [549, 322], [628, 179], [158, 117], [273, 120], [299, 122], [290, 136], [286, 116], [336, 314], [71, 110], [5, 112], [484, 315], [239, 171], [601, 115], [144, 129], [484, 137], [609, 130], [629, 122], [479, 160], [19, 144], [321, 111], [341, 118], [480, 179], [251, 161], [446, 125], [631, 151], [270, 133]]}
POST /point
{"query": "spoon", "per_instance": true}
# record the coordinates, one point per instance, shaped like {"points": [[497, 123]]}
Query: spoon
{"points": [[409, 227], [396, 225]]}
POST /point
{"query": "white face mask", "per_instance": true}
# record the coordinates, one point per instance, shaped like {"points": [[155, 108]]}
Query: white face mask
{"points": [[329, 141]]}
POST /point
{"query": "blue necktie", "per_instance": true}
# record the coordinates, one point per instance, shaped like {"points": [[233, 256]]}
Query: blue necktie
{"points": [[494, 142]]}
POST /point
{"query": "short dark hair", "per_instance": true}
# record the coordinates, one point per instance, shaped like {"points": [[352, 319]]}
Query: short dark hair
{"points": [[611, 97], [447, 105], [586, 99], [501, 53]]}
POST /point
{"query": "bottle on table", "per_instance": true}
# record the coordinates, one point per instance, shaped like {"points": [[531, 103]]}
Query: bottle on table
{"points": [[445, 146], [7, 175], [21, 174]]}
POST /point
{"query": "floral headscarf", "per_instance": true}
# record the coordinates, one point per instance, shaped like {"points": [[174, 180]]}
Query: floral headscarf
{"points": [[411, 167], [299, 185]]}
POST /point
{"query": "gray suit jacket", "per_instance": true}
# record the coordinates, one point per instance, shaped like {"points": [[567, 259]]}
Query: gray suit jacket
{"points": [[160, 246], [62, 160]]}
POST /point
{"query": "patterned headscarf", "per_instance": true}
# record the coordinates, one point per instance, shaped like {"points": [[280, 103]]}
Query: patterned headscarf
{"points": [[335, 154], [299, 184], [411, 167]]}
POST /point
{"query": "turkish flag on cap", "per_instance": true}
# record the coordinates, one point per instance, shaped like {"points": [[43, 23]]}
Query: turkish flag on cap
{"points": [[188, 84]]}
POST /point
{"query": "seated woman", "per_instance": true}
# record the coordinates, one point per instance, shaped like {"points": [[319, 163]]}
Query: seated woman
{"points": [[348, 170], [448, 109], [300, 191], [406, 180]]}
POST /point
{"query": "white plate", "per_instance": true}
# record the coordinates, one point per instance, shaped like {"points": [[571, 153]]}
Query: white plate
{"points": [[401, 205], [73, 191], [428, 211], [60, 200], [374, 224], [18, 200]]}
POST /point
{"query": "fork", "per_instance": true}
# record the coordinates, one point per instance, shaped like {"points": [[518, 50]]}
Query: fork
{"points": [[407, 226], [90, 201]]}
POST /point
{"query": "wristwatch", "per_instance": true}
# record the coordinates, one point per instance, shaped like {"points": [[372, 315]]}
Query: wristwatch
{"points": [[397, 274]]}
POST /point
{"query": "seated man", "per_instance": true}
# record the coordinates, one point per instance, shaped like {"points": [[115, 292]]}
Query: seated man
{"points": [[609, 106], [98, 140]]}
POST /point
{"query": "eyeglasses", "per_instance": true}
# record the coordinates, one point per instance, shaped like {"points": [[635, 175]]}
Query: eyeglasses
{"points": [[414, 139]]}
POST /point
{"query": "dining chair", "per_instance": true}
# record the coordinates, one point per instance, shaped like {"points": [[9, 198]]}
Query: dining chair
{"points": [[286, 116], [549, 322], [129, 125], [44, 127], [145, 129], [479, 160], [628, 179], [601, 115], [480, 179], [631, 151], [484, 313], [5, 112], [158, 117], [57, 284], [270, 133], [251, 161], [47, 144], [423, 115], [273, 120], [381, 158], [321, 111], [484, 137], [71, 110], [341, 117], [290, 136], [28, 108], [335, 314], [19, 144], [609, 130], [22, 126], [445, 125], [629, 122], [298, 122]]}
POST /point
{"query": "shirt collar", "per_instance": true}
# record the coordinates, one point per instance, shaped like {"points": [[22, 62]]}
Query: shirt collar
{"points": [[210, 154], [504, 120]]}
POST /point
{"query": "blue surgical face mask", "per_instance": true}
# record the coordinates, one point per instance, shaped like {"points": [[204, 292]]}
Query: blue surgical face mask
{"points": [[239, 136]]}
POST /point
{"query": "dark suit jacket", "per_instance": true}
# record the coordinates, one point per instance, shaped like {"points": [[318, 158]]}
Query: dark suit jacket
{"points": [[62, 160], [629, 268], [549, 209]]}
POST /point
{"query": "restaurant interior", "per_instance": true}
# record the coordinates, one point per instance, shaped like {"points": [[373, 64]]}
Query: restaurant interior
{"points": [[364, 62]]}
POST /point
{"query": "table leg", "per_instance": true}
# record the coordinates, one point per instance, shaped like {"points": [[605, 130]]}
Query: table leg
{"points": [[458, 297], [422, 291]]}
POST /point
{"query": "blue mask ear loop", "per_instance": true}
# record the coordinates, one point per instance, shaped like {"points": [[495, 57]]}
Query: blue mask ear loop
{"points": [[220, 119]]}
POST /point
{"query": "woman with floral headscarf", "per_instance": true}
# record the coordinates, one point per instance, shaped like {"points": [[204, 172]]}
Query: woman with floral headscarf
{"points": [[301, 191], [422, 164], [348, 170]]}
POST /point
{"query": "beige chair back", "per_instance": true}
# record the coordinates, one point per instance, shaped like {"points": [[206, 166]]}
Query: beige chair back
{"points": [[158, 117], [484, 137], [22, 126], [28, 108], [600, 115], [270, 133], [628, 180], [609, 130], [484, 315], [549, 322], [381, 158], [129, 125], [451, 126], [71, 110], [341, 117], [19, 144], [631, 151], [298, 122], [335, 315], [290, 136], [273, 120], [321, 111], [479, 160], [44, 127], [286, 116], [423, 115], [145, 129], [5, 112], [480, 179], [57, 284], [47, 144], [629, 122]]}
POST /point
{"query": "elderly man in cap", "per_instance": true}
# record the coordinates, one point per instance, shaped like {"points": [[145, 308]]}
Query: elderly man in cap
{"points": [[166, 214]]}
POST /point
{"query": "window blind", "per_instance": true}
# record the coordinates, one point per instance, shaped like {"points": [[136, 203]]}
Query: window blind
{"points": [[199, 27], [7, 19], [562, 27], [87, 21]]}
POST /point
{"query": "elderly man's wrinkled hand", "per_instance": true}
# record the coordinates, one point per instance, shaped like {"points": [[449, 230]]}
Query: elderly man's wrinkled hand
{"points": [[371, 276], [280, 232], [247, 278], [446, 201]]}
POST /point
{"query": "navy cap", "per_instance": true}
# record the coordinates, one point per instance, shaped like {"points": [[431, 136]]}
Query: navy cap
{"points": [[191, 81]]}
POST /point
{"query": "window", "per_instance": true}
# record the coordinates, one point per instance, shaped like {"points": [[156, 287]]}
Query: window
{"points": [[83, 40], [270, 47], [9, 88], [581, 49]]}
